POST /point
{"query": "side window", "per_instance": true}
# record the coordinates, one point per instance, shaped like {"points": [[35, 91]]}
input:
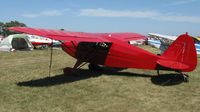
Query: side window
{"points": [[103, 45], [95, 45]]}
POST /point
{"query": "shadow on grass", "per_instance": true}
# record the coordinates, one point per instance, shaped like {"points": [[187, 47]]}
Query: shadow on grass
{"points": [[81, 74], [167, 79]]}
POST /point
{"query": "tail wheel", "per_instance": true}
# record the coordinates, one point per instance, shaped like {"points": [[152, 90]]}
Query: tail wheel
{"points": [[185, 78]]}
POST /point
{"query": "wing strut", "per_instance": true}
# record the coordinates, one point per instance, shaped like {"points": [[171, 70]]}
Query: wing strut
{"points": [[50, 64]]}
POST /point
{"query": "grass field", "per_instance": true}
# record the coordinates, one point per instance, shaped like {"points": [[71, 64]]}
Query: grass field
{"points": [[25, 87]]}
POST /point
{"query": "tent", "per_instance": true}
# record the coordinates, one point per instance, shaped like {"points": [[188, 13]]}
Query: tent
{"points": [[1, 38], [15, 42]]}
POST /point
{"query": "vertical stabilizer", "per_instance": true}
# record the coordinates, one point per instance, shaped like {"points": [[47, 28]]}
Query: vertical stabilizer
{"points": [[181, 55]]}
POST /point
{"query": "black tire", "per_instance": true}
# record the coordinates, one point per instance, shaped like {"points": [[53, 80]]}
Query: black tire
{"points": [[94, 67]]}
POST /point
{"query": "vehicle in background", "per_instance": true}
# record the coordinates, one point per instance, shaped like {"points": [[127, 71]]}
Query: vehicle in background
{"points": [[164, 41], [43, 42]]}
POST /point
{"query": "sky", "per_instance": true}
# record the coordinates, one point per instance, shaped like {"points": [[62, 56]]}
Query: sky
{"points": [[169, 17]]}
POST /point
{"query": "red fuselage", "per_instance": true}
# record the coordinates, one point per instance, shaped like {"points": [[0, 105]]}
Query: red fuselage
{"points": [[115, 54]]}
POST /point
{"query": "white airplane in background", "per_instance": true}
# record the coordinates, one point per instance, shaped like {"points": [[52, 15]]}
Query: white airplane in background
{"points": [[40, 41], [163, 41], [163, 36]]}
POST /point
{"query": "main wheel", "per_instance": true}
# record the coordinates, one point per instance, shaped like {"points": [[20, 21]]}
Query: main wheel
{"points": [[68, 71], [94, 67]]}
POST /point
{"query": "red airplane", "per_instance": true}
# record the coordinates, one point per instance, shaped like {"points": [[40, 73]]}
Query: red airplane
{"points": [[113, 50]]}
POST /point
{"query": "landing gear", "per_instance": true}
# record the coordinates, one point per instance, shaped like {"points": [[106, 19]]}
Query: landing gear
{"points": [[94, 67], [185, 77], [68, 71], [158, 72]]}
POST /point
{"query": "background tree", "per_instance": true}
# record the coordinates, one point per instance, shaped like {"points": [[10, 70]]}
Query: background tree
{"points": [[4, 27], [1, 28]]}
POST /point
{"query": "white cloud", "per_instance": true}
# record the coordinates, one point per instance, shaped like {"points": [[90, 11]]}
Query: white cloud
{"points": [[112, 13], [51, 13], [45, 13], [139, 14], [181, 2], [180, 18], [30, 15]]}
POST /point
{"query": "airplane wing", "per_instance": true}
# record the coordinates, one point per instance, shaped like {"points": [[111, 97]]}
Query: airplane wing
{"points": [[61, 35], [197, 38], [125, 37], [163, 36]]}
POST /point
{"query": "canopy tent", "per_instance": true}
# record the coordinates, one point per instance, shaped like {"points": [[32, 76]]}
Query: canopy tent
{"points": [[1, 38], [15, 42]]}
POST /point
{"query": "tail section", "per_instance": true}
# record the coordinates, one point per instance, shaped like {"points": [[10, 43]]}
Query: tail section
{"points": [[181, 55]]}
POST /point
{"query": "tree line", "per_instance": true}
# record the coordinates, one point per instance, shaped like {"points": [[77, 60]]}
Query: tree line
{"points": [[4, 25]]}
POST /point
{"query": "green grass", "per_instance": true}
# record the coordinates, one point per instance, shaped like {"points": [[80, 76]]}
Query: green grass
{"points": [[25, 87]]}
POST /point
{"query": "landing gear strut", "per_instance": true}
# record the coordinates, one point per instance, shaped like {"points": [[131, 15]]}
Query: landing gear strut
{"points": [[158, 72], [185, 77]]}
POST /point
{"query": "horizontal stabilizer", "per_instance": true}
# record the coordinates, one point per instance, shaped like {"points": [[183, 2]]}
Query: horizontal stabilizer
{"points": [[172, 64]]}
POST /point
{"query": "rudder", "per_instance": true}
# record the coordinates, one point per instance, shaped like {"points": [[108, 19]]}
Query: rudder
{"points": [[181, 54]]}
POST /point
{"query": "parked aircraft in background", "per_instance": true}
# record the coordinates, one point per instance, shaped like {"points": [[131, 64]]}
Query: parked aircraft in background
{"points": [[41, 41], [114, 50], [164, 41]]}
